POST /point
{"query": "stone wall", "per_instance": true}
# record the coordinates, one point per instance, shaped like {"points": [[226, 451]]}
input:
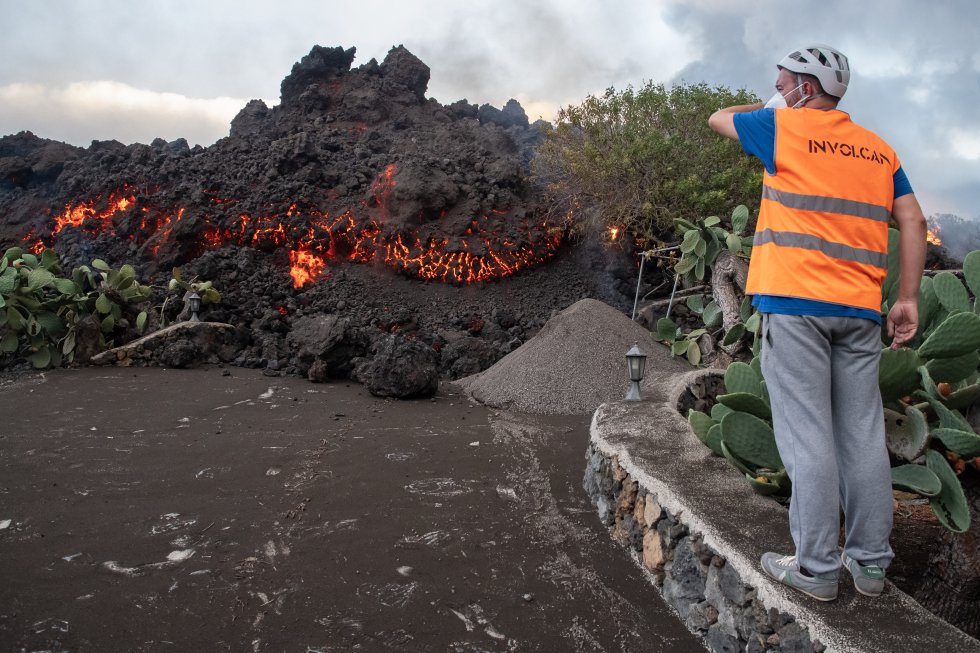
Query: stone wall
{"points": [[707, 593]]}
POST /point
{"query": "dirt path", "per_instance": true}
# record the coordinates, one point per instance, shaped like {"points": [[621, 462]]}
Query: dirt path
{"points": [[222, 510]]}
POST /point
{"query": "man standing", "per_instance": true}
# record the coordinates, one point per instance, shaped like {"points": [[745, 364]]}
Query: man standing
{"points": [[818, 263]]}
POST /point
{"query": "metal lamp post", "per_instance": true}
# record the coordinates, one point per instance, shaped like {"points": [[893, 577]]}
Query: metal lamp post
{"points": [[194, 303], [636, 361]]}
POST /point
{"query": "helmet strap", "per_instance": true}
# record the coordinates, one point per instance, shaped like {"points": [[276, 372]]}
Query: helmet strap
{"points": [[804, 98]]}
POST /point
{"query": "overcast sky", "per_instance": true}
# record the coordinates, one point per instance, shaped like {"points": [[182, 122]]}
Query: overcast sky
{"points": [[134, 70]]}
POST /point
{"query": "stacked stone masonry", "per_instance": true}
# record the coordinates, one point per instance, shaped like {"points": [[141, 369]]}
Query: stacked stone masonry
{"points": [[707, 594]]}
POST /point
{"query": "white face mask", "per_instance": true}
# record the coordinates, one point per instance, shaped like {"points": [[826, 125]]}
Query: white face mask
{"points": [[778, 101]]}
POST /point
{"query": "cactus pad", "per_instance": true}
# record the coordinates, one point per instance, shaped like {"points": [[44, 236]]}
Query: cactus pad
{"points": [[965, 443], [747, 403], [713, 439], [700, 423], [740, 377], [916, 478], [751, 439], [766, 488], [964, 397], [928, 304], [957, 335], [730, 456], [907, 436], [718, 412], [950, 504], [949, 418], [951, 292], [897, 373], [951, 370]]}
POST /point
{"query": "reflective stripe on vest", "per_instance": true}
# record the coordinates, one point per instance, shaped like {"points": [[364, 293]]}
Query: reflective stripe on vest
{"points": [[822, 232], [826, 204], [835, 250]]}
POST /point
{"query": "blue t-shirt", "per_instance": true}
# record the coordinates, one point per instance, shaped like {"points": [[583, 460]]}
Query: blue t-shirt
{"points": [[757, 133]]}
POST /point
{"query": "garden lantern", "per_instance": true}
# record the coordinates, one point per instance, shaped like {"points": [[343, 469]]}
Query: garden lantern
{"points": [[636, 361], [194, 303]]}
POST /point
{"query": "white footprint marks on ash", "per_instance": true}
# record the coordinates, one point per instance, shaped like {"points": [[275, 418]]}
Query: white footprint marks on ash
{"points": [[400, 456], [272, 552], [267, 394], [473, 617], [174, 558], [392, 595], [435, 538], [438, 487], [170, 522]]}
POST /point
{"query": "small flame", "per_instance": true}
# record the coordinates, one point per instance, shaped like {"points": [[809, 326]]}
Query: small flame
{"points": [[932, 236], [613, 232], [282, 311]]}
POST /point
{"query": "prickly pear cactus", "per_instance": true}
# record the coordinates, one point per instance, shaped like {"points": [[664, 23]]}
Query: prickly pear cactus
{"points": [[964, 443], [971, 272], [924, 386], [740, 377], [951, 292], [950, 504], [916, 478], [897, 373], [747, 403], [953, 370], [956, 336], [751, 439], [907, 436]]}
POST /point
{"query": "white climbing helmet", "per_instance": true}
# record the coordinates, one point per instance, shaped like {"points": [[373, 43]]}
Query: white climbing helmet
{"points": [[823, 62]]}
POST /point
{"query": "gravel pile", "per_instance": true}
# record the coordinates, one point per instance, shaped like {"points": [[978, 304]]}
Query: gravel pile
{"points": [[574, 364]]}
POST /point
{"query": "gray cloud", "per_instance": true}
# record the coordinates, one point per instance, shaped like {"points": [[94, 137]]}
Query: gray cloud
{"points": [[106, 110], [916, 65]]}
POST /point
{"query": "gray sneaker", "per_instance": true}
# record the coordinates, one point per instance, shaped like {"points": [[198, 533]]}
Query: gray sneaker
{"points": [[786, 570], [868, 579]]}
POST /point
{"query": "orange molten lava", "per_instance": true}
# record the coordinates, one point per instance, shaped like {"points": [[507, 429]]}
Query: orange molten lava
{"points": [[313, 236], [383, 186], [79, 214], [304, 266]]}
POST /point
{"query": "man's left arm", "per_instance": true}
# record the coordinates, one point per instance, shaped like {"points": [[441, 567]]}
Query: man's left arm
{"points": [[903, 318], [723, 120]]}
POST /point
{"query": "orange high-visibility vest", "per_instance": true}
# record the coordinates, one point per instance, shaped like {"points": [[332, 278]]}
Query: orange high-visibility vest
{"points": [[823, 224]]}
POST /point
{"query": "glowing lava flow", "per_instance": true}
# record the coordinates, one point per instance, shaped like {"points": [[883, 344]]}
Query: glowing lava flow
{"points": [[488, 249], [83, 212]]}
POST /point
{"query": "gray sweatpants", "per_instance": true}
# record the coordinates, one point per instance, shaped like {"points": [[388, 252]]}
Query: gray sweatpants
{"points": [[822, 377]]}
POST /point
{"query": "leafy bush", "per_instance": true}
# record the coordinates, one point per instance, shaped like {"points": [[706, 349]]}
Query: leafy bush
{"points": [[639, 158]]}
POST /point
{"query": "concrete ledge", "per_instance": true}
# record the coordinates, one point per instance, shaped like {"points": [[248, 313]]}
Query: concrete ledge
{"points": [[647, 450]]}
